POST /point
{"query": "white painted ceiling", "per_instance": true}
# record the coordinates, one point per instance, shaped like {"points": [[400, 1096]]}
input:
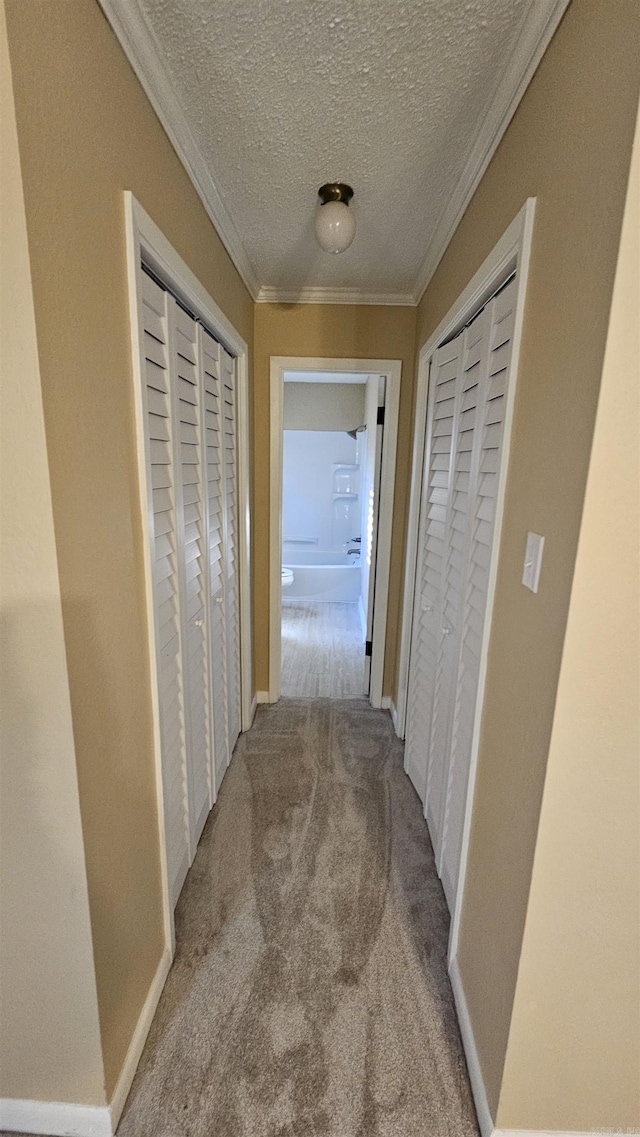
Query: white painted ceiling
{"points": [[391, 96]]}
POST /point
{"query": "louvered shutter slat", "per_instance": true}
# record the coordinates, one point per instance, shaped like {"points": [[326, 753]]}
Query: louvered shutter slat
{"points": [[154, 308], [196, 677], [481, 509], [227, 372], [210, 355]]}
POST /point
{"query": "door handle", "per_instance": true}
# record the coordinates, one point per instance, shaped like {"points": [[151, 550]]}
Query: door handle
{"points": [[446, 631]]}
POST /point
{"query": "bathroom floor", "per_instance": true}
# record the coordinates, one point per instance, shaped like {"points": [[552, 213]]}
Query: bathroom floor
{"points": [[322, 651]]}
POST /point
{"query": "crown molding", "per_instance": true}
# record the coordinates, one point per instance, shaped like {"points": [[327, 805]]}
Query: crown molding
{"points": [[144, 53], [310, 295], [536, 31]]}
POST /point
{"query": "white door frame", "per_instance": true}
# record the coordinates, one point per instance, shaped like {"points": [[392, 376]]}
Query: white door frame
{"points": [[392, 370], [511, 253], [145, 242]]}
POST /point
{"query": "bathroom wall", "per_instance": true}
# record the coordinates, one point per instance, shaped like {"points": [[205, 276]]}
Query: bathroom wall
{"points": [[323, 406], [309, 508]]}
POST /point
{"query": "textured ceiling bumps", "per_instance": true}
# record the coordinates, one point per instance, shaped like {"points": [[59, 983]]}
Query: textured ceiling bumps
{"points": [[283, 95]]}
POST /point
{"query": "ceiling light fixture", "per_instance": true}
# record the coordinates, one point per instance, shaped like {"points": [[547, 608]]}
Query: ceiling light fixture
{"points": [[335, 224]]}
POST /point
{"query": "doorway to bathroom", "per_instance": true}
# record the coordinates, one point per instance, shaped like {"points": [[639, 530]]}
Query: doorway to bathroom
{"points": [[333, 445]]}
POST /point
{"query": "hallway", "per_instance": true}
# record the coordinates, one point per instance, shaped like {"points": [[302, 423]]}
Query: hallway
{"points": [[309, 992]]}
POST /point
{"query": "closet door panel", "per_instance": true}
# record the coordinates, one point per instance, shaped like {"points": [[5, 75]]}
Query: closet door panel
{"points": [[230, 544], [427, 618], [210, 364], [188, 411], [155, 320], [490, 419], [474, 348]]}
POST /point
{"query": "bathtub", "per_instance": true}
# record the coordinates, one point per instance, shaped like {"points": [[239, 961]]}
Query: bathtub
{"points": [[321, 575]]}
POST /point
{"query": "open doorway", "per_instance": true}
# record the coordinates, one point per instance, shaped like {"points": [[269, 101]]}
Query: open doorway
{"points": [[333, 465]]}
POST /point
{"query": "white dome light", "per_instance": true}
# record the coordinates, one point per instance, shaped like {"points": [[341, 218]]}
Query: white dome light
{"points": [[335, 223]]}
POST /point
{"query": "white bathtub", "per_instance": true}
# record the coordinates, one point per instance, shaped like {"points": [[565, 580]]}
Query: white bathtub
{"points": [[321, 575]]}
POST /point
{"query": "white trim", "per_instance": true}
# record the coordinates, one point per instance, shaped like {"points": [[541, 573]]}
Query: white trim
{"points": [[146, 242], [147, 58], [133, 270], [57, 1118], [394, 717], [147, 238], [385, 703], [244, 539], [70, 1119], [485, 1120], [138, 1040], [511, 252], [270, 294], [363, 617], [538, 26], [254, 706], [262, 697], [392, 370]]}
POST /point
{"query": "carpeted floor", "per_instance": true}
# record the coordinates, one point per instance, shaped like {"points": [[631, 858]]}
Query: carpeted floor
{"points": [[309, 993]]}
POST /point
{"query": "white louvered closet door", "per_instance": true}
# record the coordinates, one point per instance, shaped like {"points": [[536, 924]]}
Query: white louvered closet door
{"points": [[427, 616], [210, 352], [192, 555], [230, 482], [465, 427], [469, 387], [156, 317], [491, 401]]}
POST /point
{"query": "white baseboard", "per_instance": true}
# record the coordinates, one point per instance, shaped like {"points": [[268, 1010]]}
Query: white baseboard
{"points": [[57, 1118], [70, 1119], [138, 1040], [485, 1119], [253, 708], [385, 703], [262, 697]]}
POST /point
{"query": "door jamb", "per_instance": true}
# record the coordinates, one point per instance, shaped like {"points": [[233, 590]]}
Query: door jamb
{"points": [[512, 252], [145, 241], [392, 370]]}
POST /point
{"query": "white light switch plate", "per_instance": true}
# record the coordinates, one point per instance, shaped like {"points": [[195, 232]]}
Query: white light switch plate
{"points": [[532, 561]]}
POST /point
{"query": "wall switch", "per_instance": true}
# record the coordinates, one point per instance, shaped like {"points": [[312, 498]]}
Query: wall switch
{"points": [[532, 561]]}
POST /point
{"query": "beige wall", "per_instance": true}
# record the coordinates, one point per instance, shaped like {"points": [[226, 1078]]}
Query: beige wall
{"points": [[573, 1060], [323, 406], [86, 133], [328, 331], [50, 1035], [569, 145]]}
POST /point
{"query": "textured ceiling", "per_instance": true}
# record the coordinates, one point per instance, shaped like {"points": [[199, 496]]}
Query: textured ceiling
{"points": [[283, 95]]}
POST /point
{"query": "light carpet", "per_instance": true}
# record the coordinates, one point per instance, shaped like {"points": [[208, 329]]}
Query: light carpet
{"points": [[309, 993]]}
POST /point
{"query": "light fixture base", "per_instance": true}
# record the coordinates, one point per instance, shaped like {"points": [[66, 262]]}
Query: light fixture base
{"points": [[335, 191]]}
